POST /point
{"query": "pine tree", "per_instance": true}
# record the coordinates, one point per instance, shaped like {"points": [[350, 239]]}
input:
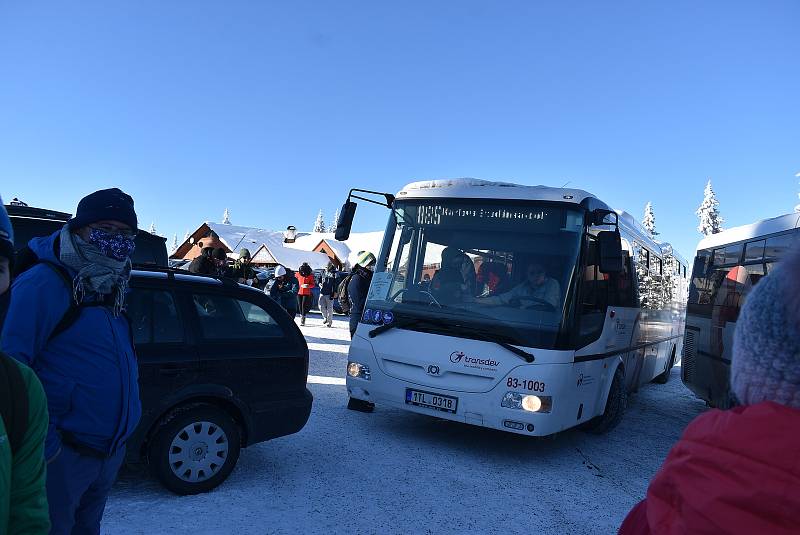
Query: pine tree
{"points": [[797, 208], [187, 236], [152, 229], [649, 220], [335, 224], [174, 242], [226, 217], [319, 224], [708, 212]]}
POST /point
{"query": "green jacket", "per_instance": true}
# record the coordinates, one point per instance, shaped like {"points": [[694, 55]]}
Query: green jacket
{"points": [[23, 495]]}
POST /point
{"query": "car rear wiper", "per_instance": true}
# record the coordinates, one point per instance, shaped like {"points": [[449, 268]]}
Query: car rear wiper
{"points": [[487, 336]]}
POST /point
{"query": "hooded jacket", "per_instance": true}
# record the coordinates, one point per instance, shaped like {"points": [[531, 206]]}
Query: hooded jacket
{"points": [[89, 371], [734, 471]]}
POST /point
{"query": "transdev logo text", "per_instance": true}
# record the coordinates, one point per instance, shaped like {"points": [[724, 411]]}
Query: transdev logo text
{"points": [[459, 356]]}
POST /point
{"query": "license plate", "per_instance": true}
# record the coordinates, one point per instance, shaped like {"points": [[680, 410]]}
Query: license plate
{"points": [[431, 401]]}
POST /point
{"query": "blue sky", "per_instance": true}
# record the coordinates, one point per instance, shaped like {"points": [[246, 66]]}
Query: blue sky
{"points": [[274, 110]]}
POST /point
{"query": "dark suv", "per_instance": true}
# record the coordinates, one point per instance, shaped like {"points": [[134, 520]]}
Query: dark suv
{"points": [[221, 366]]}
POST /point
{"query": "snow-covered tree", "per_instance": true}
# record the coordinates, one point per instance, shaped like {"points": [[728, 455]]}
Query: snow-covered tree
{"points": [[649, 220], [174, 243], [152, 229], [226, 217], [332, 227], [187, 235], [797, 208], [708, 212], [319, 224]]}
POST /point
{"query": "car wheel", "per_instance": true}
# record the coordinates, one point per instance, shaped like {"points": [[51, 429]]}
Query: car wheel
{"points": [[360, 405], [664, 377], [615, 407], [194, 449]]}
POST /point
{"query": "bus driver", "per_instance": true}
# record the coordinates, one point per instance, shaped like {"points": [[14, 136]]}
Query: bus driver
{"points": [[537, 288]]}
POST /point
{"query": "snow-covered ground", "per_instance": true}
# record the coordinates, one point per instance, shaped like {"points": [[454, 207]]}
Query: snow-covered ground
{"points": [[397, 472]]}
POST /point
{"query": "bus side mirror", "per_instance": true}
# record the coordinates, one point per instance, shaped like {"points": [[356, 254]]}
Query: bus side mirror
{"points": [[610, 246], [345, 222]]}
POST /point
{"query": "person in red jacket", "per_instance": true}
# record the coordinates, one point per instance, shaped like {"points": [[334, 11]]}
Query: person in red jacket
{"points": [[738, 471], [305, 278]]}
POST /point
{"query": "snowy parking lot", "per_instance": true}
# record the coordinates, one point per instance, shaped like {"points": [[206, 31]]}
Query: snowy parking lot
{"points": [[397, 472]]}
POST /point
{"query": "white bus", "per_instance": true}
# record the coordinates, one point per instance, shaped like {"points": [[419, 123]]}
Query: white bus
{"points": [[727, 265], [548, 309]]}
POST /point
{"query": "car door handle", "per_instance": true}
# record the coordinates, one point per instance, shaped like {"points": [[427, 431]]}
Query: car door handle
{"points": [[171, 372]]}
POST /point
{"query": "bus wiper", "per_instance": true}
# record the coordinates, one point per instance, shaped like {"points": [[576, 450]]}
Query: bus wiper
{"points": [[386, 326], [490, 336]]}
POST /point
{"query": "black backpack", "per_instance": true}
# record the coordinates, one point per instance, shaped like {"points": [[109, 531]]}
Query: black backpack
{"points": [[343, 295], [13, 402]]}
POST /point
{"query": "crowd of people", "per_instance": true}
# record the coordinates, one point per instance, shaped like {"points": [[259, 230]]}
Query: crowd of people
{"points": [[64, 425]]}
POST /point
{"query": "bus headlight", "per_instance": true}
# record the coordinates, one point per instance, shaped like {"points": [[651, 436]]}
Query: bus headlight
{"points": [[360, 371], [527, 402]]}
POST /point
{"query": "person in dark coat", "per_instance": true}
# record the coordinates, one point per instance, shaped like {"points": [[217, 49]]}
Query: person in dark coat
{"points": [[242, 270], [220, 259], [327, 293], [448, 284], [284, 290], [203, 264], [359, 287], [738, 471], [89, 371]]}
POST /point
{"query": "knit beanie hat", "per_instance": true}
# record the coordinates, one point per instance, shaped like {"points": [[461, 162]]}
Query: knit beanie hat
{"points": [[219, 254], [6, 234], [102, 205], [766, 346]]}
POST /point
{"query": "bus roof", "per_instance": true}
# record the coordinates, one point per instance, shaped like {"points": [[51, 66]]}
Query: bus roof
{"points": [[474, 188], [753, 230]]}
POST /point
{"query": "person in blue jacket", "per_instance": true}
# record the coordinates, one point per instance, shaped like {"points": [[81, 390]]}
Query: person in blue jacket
{"points": [[88, 369]]}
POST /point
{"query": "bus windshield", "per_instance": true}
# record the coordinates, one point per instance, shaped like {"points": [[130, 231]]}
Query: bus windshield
{"points": [[479, 266]]}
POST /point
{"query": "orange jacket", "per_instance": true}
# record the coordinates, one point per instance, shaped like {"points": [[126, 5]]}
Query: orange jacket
{"points": [[308, 281], [734, 471]]}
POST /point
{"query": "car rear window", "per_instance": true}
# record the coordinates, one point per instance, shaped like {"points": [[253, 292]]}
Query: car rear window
{"points": [[226, 318]]}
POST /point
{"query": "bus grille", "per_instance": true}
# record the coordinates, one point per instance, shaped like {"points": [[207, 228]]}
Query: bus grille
{"points": [[689, 355]]}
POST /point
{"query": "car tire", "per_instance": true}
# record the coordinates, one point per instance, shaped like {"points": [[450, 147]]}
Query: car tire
{"points": [[616, 404], [360, 405], [663, 378], [195, 449]]}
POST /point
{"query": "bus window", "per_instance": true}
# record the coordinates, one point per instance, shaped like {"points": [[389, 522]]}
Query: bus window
{"points": [[777, 246], [719, 257], [733, 254], [754, 251]]}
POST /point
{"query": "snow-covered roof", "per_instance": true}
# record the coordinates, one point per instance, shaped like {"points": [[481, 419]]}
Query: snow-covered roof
{"points": [[475, 188], [236, 237], [346, 250], [746, 232]]}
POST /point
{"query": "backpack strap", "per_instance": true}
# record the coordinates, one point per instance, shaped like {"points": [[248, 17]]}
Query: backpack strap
{"points": [[74, 310], [13, 402]]}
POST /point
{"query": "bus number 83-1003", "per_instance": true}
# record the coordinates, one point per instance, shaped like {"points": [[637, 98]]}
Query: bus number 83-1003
{"points": [[525, 384]]}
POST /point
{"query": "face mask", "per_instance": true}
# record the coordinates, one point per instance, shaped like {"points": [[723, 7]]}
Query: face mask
{"points": [[116, 246]]}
